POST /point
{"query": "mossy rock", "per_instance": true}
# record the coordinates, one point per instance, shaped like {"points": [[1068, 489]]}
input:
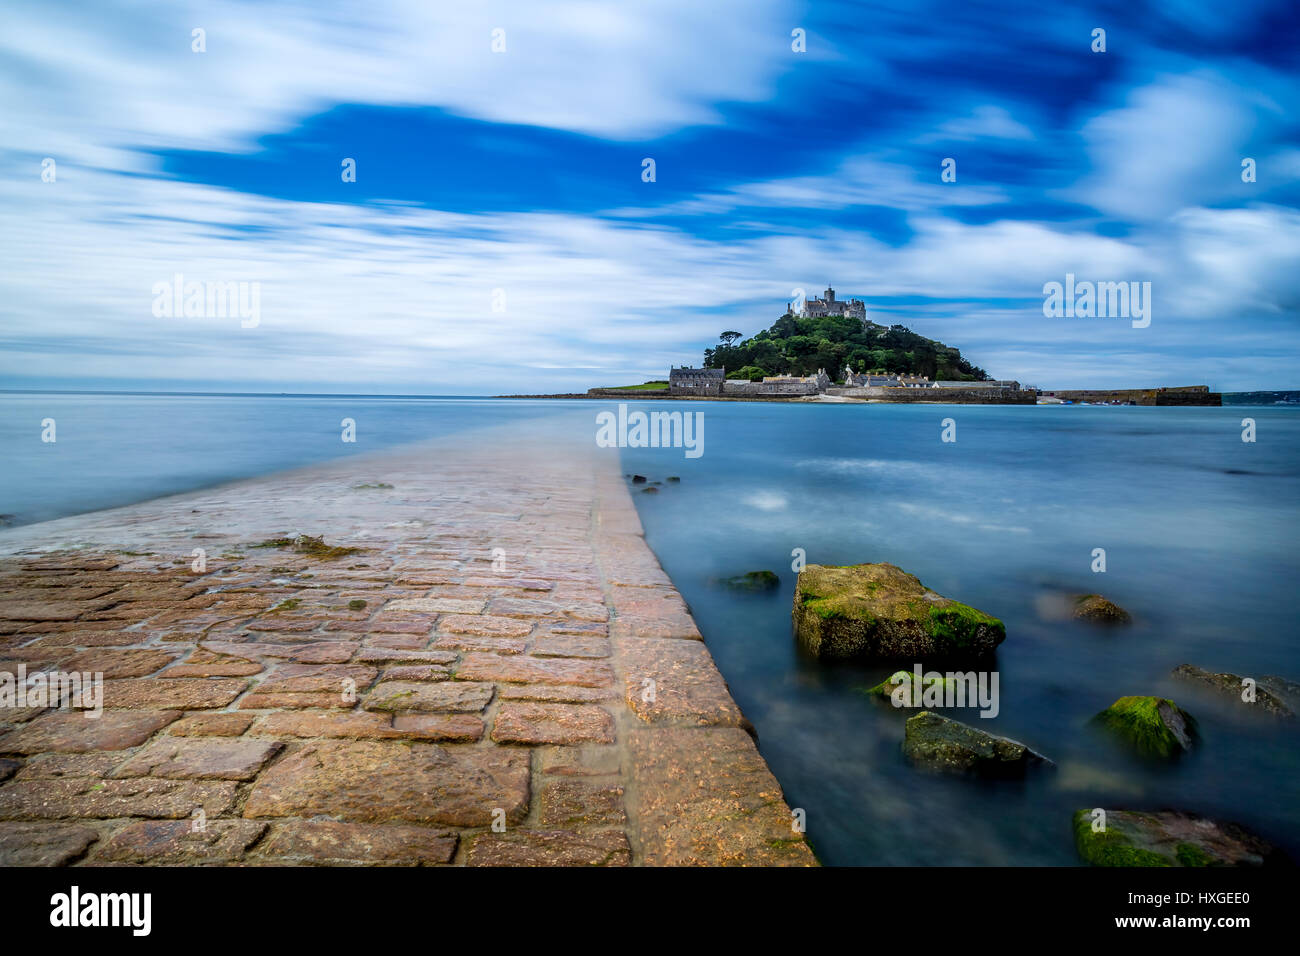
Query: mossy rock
{"points": [[1096, 609], [903, 680], [1231, 686], [1168, 838], [753, 581], [949, 746], [879, 611], [1153, 726], [1287, 691]]}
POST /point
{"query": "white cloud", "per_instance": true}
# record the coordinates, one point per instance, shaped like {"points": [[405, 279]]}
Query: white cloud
{"points": [[984, 122], [87, 82], [398, 296], [1178, 142]]}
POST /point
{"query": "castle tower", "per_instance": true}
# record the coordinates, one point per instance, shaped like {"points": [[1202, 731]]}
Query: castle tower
{"points": [[830, 295]]}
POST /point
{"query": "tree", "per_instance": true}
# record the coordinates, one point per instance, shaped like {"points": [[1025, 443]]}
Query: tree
{"points": [[799, 345]]}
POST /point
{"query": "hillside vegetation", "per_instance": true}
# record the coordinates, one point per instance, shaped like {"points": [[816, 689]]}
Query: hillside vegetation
{"points": [[799, 346]]}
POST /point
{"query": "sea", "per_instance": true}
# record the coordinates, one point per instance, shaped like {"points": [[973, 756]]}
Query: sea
{"points": [[1196, 529]]}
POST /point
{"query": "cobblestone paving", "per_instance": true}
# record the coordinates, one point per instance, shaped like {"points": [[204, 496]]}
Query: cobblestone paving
{"points": [[500, 674]]}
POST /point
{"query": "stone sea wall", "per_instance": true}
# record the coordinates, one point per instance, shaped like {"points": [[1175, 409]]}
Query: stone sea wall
{"points": [[1188, 395], [964, 396]]}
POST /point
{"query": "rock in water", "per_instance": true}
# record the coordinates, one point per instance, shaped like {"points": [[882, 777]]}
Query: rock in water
{"points": [[880, 611], [1285, 690], [898, 686], [753, 581], [1230, 685], [1097, 610], [1168, 838], [937, 743], [1153, 726]]}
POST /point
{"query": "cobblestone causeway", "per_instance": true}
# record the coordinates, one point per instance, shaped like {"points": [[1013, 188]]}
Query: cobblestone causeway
{"points": [[499, 674]]}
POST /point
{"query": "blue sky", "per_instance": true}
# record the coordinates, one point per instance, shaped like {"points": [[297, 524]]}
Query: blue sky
{"points": [[499, 235]]}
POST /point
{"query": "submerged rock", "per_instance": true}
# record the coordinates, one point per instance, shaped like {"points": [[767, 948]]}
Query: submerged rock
{"points": [[752, 581], [898, 681], [1098, 610], [938, 743], [881, 611], [1153, 726], [1285, 690], [639, 479], [1168, 838], [933, 687], [1230, 685]]}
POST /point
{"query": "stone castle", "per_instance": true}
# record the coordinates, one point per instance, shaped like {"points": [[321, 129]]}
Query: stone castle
{"points": [[829, 305]]}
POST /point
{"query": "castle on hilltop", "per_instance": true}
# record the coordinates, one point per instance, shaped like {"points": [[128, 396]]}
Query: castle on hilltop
{"points": [[817, 308]]}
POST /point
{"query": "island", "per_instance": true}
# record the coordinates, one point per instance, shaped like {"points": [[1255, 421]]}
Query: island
{"points": [[870, 363]]}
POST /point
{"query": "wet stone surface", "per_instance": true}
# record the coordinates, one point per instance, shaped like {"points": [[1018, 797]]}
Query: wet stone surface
{"points": [[404, 703]]}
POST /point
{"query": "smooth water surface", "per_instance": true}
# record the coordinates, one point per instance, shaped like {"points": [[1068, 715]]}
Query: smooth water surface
{"points": [[1200, 536]]}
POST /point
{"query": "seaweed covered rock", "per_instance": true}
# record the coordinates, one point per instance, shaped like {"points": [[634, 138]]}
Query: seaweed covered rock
{"points": [[930, 689], [880, 611], [752, 581], [899, 686], [1167, 838], [1096, 609], [1287, 691], [1153, 726], [937, 743], [1232, 686], [313, 546]]}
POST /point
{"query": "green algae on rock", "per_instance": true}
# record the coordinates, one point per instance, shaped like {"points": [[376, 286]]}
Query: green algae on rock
{"points": [[752, 581], [1153, 726], [898, 686], [1235, 688], [1096, 609], [938, 743], [881, 611], [306, 544], [897, 680], [1167, 838]]}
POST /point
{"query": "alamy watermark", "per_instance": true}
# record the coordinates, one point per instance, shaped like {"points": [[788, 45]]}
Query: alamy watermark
{"points": [[80, 690], [651, 430], [1102, 300], [75, 908], [954, 689], [176, 298]]}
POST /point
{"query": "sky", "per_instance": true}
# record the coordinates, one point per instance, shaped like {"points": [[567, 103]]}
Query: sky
{"points": [[503, 234]]}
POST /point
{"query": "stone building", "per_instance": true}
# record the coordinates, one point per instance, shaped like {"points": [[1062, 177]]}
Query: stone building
{"points": [[854, 379], [1006, 384], [696, 381], [774, 385], [829, 305]]}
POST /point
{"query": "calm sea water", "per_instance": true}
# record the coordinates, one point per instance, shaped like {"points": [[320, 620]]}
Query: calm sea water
{"points": [[1199, 529], [1200, 534], [114, 449]]}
